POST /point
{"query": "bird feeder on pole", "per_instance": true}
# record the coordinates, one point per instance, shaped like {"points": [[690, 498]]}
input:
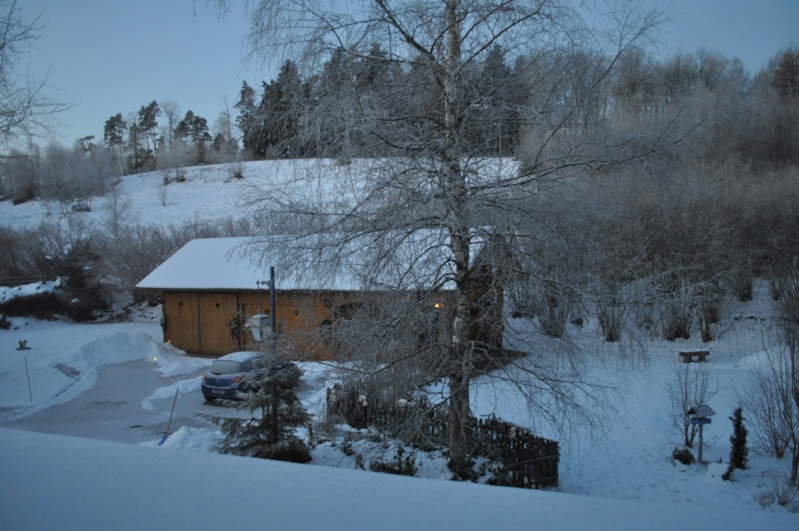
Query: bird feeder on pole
{"points": [[700, 415]]}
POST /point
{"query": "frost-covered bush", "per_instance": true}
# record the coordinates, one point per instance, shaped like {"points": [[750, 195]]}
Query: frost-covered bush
{"points": [[776, 488]]}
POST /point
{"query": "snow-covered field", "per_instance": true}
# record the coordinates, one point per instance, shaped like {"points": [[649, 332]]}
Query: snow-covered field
{"points": [[623, 480]]}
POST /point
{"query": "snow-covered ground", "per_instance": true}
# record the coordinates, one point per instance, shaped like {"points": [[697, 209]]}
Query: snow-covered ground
{"points": [[209, 193], [115, 475]]}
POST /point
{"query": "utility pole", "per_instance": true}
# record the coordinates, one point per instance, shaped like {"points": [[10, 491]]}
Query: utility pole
{"points": [[275, 392]]}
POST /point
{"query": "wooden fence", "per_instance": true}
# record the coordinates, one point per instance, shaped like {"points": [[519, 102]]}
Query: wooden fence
{"points": [[20, 281], [531, 461]]}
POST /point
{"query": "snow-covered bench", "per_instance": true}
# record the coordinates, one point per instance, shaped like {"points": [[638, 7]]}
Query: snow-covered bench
{"points": [[691, 355]]}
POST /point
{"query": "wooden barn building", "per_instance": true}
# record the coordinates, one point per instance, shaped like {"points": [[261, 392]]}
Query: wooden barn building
{"points": [[215, 290]]}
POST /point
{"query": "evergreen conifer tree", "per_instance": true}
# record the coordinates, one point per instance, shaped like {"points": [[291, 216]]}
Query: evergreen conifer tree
{"points": [[738, 452], [275, 410]]}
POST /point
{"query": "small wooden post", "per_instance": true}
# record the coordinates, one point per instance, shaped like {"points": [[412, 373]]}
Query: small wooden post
{"points": [[30, 389], [701, 444]]}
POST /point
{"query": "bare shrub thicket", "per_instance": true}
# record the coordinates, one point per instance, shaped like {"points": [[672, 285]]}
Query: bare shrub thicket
{"points": [[20, 176], [777, 488], [550, 301], [772, 393], [773, 222], [676, 248], [95, 261], [764, 398], [15, 260], [613, 304], [118, 214], [141, 248], [67, 251], [404, 333], [390, 349]]}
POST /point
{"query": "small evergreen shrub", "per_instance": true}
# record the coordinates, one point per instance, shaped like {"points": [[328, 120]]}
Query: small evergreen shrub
{"points": [[500, 476], [402, 465], [42, 306], [291, 449], [738, 452], [5, 324], [683, 455]]}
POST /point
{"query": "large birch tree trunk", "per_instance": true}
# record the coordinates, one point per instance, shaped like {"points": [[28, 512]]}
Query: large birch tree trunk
{"points": [[459, 362]]}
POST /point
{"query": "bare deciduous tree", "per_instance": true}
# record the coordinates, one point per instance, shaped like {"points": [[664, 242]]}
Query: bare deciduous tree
{"points": [[117, 214], [692, 385], [171, 111], [26, 110], [435, 188]]}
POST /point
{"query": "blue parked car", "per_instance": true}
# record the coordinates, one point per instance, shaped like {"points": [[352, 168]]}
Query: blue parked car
{"points": [[227, 376]]}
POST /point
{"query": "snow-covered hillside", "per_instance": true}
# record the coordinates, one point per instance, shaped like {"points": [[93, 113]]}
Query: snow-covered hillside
{"points": [[626, 479], [209, 193]]}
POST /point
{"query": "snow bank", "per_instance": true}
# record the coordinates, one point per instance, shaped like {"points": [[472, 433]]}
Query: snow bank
{"points": [[57, 376], [103, 485]]}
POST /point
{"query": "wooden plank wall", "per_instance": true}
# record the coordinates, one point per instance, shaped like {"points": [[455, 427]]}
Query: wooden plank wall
{"points": [[200, 323], [181, 318], [216, 310]]}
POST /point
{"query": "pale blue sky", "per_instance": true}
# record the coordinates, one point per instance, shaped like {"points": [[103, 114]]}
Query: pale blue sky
{"points": [[110, 56]]}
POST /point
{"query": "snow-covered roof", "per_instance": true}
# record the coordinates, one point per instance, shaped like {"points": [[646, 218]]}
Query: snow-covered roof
{"points": [[416, 262], [211, 263]]}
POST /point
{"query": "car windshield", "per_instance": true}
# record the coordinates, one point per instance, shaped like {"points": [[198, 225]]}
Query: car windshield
{"points": [[225, 367]]}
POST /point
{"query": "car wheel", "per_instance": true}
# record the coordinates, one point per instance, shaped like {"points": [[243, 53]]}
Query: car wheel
{"points": [[210, 399]]}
